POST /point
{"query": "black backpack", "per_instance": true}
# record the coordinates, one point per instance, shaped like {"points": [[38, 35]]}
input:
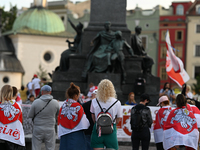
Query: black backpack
{"points": [[136, 119], [104, 124]]}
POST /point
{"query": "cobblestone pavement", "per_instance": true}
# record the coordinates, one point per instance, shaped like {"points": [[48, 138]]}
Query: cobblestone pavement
{"points": [[120, 147]]}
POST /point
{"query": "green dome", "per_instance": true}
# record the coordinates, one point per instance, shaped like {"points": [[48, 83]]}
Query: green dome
{"points": [[39, 19]]}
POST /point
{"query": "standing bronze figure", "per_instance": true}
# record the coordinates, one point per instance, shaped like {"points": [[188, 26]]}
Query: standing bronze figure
{"points": [[76, 48], [118, 45]]}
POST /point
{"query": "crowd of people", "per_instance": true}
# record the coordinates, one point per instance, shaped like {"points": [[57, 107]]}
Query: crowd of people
{"points": [[92, 124]]}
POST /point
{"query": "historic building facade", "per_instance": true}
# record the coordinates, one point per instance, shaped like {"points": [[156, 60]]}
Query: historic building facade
{"points": [[39, 38], [193, 42], [173, 20]]}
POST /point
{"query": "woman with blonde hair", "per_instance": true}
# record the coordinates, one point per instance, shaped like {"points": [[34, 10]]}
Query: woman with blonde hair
{"points": [[188, 93], [106, 101], [12, 136]]}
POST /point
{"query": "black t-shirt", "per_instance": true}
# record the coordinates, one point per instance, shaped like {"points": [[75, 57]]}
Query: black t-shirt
{"points": [[86, 107]]}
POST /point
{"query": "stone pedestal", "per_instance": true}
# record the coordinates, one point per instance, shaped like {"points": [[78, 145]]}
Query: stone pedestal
{"points": [[115, 78], [62, 80], [152, 87]]}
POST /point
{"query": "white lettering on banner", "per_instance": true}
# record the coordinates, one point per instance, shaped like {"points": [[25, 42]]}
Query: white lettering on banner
{"points": [[124, 128]]}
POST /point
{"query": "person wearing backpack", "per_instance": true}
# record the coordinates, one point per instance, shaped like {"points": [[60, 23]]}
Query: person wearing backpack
{"points": [[106, 113], [141, 121]]}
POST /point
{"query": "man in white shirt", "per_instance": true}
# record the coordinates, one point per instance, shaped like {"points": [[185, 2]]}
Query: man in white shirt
{"points": [[30, 88], [36, 85]]}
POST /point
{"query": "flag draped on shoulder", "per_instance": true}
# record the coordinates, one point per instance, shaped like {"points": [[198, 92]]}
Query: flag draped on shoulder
{"points": [[71, 118], [174, 65], [180, 129], [196, 112], [161, 118], [11, 128]]}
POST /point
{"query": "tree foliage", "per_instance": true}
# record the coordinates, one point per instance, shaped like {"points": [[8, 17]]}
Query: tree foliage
{"points": [[42, 73], [8, 18]]}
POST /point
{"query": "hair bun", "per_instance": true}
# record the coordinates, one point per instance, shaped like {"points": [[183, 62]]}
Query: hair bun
{"points": [[72, 85]]}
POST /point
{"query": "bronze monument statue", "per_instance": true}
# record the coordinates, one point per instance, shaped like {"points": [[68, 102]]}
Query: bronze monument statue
{"points": [[99, 56], [118, 44], [76, 48], [136, 44]]}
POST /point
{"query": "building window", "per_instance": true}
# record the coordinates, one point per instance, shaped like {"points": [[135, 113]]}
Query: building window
{"points": [[144, 41], [48, 56], [163, 34], [178, 50], [5, 79], [198, 9], [198, 28], [179, 10], [196, 71], [163, 51], [163, 73], [197, 50], [63, 18], [179, 35]]}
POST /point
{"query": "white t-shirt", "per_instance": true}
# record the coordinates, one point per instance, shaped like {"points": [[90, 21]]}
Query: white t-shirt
{"points": [[115, 110], [30, 86], [36, 83], [189, 95]]}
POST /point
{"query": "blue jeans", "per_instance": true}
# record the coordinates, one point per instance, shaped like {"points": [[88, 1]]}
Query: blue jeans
{"points": [[73, 141], [88, 140]]}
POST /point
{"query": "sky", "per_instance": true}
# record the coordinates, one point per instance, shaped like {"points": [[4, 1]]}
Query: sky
{"points": [[131, 4]]}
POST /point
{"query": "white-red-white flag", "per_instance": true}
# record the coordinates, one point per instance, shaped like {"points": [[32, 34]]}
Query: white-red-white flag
{"points": [[11, 128], [180, 129], [174, 65], [71, 118], [161, 118]]}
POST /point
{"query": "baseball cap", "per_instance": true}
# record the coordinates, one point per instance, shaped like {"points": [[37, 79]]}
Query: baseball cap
{"points": [[145, 96], [35, 75], [94, 92], [46, 88], [162, 99]]}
